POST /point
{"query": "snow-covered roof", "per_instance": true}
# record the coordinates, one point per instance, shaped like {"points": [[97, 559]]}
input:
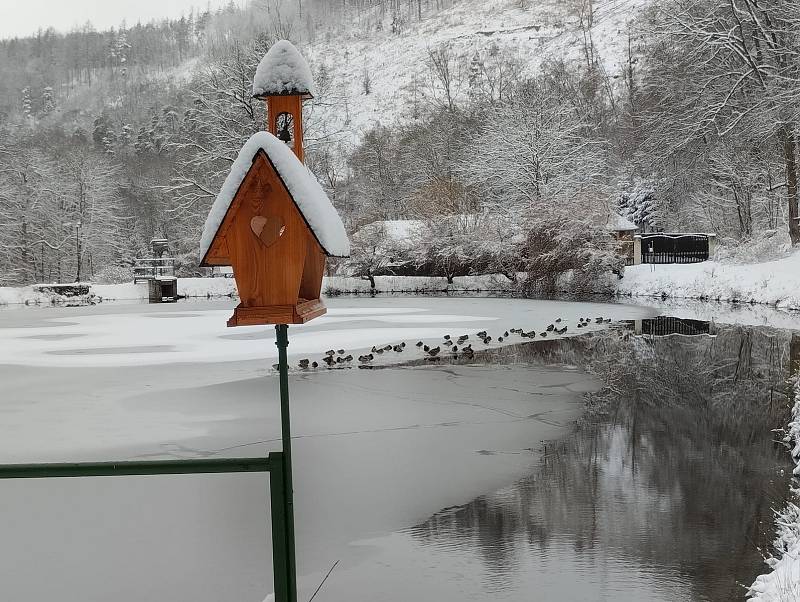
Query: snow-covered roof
{"points": [[283, 70], [400, 229], [311, 200], [617, 223]]}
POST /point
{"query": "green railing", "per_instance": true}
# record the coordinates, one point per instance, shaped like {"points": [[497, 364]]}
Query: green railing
{"points": [[277, 464], [273, 464]]}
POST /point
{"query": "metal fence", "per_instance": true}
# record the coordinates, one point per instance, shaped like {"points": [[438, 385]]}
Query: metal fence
{"points": [[147, 269], [674, 248]]}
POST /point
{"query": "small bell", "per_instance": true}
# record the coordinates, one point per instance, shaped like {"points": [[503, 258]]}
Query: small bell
{"points": [[284, 134]]}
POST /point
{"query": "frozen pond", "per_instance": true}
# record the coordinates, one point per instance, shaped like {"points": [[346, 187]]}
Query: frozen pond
{"points": [[451, 480]]}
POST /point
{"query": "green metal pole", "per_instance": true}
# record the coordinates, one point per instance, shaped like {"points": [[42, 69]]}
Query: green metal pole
{"points": [[282, 341], [280, 557]]}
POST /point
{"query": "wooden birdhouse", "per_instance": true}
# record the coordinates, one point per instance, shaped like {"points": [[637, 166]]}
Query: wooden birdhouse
{"points": [[271, 221]]}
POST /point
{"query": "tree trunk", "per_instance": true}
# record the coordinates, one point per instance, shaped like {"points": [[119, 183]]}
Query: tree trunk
{"points": [[25, 273], [790, 159]]}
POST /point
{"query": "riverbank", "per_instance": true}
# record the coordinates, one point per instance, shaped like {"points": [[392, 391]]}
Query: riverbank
{"points": [[206, 288], [210, 288], [772, 283], [782, 583]]}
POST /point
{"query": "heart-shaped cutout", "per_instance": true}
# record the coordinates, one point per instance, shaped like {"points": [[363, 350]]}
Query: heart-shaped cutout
{"points": [[267, 229]]}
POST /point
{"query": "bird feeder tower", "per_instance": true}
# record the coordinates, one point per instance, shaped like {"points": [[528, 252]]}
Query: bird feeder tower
{"points": [[272, 222]]}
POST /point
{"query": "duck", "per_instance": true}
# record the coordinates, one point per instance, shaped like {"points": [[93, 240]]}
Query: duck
{"points": [[397, 349], [330, 352], [447, 337], [364, 359], [340, 352], [419, 343], [607, 320], [425, 348], [487, 340], [435, 351], [328, 359], [505, 334], [542, 334], [551, 328], [303, 364], [481, 334], [348, 358], [598, 320], [558, 320], [462, 338], [314, 365], [500, 339]]}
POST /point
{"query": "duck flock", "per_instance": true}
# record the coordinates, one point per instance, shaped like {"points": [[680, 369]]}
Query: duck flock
{"points": [[459, 347]]}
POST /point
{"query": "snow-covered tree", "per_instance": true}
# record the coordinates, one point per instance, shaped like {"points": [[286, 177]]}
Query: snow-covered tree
{"points": [[719, 71], [638, 203]]}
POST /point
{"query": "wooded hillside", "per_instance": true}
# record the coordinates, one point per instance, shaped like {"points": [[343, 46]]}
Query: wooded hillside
{"points": [[533, 120]]}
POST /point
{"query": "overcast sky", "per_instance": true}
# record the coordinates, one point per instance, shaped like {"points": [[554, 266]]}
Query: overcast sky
{"points": [[24, 17]]}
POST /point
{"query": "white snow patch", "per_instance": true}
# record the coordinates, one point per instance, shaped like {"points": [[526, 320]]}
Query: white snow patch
{"points": [[308, 195], [283, 70]]}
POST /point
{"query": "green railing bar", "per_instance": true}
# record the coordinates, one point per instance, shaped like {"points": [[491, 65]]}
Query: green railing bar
{"points": [[116, 469]]}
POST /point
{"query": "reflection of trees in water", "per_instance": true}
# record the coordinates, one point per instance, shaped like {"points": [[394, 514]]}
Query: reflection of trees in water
{"points": [[675, 467]]}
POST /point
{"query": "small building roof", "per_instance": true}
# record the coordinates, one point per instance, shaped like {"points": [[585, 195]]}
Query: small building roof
{"points": [[617, 223], [283, 70], [399, 229], [308, 196]]}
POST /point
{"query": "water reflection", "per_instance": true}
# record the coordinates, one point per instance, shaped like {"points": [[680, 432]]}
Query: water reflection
{"points": [[667, 486]]}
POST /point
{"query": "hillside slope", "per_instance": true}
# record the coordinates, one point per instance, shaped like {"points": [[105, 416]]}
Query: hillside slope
{"points": [[473, 30]]}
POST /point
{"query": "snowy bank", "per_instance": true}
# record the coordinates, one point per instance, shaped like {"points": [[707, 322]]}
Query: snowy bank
{"points": [[782, 583], [338, 285], [226, 287], [23, 294], [773, 283]]}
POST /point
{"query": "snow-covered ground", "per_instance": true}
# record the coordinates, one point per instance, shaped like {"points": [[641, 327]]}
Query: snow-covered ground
{"points": [[187, 287], [782, 583], [773, 282]]}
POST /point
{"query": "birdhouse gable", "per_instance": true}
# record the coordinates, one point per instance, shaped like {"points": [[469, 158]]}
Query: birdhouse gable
{"points": [[307, 195], [283, 70]]}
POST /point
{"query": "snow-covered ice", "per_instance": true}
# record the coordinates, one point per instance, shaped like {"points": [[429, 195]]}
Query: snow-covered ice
{"points": [[311, 200], [161, 334]]}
